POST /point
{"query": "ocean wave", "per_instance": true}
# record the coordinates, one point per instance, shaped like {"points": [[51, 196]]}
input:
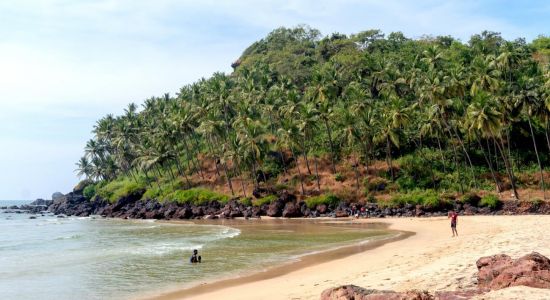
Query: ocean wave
{"points": [[69, 237], [162, 249]]}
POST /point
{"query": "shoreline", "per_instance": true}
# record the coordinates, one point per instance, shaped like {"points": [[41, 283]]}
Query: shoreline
{"points": [[428, 260], [301, 261]]}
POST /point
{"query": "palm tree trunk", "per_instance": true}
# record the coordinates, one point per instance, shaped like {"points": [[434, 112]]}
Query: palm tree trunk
{"points": [[216, 158], [304, 153], [497, 184], [457, 166], [442, 154], [198, 151], [542, 184], [366, 145], [388, 157], [283, 162], [546, 134], [508, 167], [331, 146], [299, 171], [228, 179], [462, 146], [192, 158], [317, 174], [182, 172], [355, 166]]}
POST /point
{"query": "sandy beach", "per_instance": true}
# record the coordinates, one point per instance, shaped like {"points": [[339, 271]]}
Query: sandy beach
{"points": [[429, 260]]}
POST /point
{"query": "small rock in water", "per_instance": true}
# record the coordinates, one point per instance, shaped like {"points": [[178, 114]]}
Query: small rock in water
{"points": [[60, 216], [32, 217]]}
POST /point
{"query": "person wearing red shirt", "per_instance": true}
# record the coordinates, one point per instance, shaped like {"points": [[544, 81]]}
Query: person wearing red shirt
{"points": [[453, 215]]}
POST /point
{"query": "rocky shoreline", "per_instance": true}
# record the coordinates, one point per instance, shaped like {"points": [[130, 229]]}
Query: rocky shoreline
{"points": [[286, 205]]}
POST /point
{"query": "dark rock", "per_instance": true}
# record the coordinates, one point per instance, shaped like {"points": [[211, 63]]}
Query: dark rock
{"points": [[32, 217], [341, 214], [501, 271], [275, 209], [352, 292], [322, 208], [457, 295], [286, 196], [56, 195], [197, 211], [291, 210]]}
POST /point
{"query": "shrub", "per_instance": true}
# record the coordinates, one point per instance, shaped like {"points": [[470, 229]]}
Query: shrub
{"points": [[427, 198], [89, 191], [196, 196], [375, 184], [470, 198], [490, 200], [371, 198], [327, 199], [536, 202], [119, 188], [265, 200], [246, 201], [339, 177]]}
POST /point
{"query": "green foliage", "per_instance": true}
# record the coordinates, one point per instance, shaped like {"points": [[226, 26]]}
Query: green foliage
{"points": [[119, 188], [425, 104], [196, 196], [427, 198], [327, 199], [470, 198], [490, 200], [375, 184], [247, 201], [339, 177], [265, 200], [89, 191]]}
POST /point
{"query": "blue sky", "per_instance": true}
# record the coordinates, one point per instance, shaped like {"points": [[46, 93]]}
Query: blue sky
{"points": [[64, 64]]}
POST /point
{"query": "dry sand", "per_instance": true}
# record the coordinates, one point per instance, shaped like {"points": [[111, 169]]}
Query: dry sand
{"points": [[429, 260]]}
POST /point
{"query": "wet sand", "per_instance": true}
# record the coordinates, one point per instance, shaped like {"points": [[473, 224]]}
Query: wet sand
{"points": [[430, 259]]}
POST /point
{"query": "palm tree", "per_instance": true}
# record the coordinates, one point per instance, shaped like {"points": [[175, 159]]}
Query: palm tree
{"points": [[486, 119]]}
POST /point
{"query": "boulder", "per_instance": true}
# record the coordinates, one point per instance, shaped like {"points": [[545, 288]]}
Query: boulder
{"points": [[352, 292], [501, 271], [56, 196], [322, 208], [340, 213], [275, 209], [291, 210]]}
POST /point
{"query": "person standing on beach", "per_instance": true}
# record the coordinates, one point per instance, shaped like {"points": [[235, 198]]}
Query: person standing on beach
{"points": [[453, 215]]}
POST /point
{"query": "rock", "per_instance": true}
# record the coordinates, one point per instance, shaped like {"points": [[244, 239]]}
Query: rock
{"points": [[322, 208], [501, 271], [291, 210], [340, 213], [457, 295], [352, 292], [197, 211], [56, 196], [275, 209], [41, 202], [32, 217]]}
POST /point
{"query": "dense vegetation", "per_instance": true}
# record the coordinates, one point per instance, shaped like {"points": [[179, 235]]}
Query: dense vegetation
{"points": [[444, 116]]}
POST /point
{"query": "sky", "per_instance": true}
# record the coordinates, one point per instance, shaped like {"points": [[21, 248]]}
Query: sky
{"points": [[65, 64]]}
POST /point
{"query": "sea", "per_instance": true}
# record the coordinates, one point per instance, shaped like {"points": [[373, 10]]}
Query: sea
{"points": [[47, 257]]}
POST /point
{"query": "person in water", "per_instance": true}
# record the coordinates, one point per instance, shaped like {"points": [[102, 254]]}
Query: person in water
{"points": [[453, 215], [195, 258]]}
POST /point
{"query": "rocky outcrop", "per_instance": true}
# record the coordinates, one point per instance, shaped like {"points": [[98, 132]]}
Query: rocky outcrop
{"points": [[501, 271], [494, 272], [352, 292]]}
